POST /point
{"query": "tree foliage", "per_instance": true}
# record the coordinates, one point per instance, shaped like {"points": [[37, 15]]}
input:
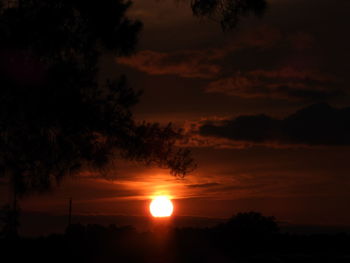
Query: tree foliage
{"points": [[56, 115], [228, 12]]}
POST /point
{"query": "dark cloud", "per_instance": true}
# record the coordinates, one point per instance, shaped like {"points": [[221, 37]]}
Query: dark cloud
{"points": [[4, 181], [200, 63], [285, 83], [186, 63], [206, 185], [318, 124], [302, 41]]}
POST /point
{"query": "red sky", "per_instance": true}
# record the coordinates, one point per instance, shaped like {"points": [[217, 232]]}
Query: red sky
{"points": [[194, 74]]}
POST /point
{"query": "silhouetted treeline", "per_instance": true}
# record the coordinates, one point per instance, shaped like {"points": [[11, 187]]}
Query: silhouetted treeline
{"points": [[246, 237]]}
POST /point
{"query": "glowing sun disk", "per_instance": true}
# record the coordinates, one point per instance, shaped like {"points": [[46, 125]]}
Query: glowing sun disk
{"points": [[161, 206]]}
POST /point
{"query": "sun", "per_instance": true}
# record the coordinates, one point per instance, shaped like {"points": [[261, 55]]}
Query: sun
{"points": [[161, 206]]}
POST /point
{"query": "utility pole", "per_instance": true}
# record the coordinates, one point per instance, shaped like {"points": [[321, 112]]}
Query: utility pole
{"points": [[70, 212], [13, 220]]}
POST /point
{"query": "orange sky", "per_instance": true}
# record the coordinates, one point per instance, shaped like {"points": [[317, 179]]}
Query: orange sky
{"points": [[190, 72]]}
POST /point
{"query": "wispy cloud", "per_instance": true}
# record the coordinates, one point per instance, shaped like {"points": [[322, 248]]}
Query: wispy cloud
{"points": [[187, 64], [284, 83], [201, 63]]}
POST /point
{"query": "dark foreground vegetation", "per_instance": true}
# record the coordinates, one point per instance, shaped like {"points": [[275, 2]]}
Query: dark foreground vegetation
{"points": [[246, 237]]}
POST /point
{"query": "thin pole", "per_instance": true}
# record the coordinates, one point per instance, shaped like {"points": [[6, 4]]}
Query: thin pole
{"points": [[70, 212], [14, 219]]}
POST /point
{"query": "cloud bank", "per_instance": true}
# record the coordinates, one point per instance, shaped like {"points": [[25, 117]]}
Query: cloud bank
{"points": [[316, 125]]}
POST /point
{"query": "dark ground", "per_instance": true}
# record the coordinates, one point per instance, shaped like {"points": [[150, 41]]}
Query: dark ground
{"points": [[248, 237]]}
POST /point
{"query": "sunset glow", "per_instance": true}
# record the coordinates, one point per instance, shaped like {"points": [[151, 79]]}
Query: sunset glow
{"points": [[161, 206]]}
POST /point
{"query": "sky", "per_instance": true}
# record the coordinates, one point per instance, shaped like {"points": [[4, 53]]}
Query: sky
{"points": [[264, 106]]}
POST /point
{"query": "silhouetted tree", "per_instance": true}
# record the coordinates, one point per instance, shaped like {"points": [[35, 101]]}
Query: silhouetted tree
{"points": [[10, 222], [252, 223], [248, 232], [57, 115], [228, 12]]}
